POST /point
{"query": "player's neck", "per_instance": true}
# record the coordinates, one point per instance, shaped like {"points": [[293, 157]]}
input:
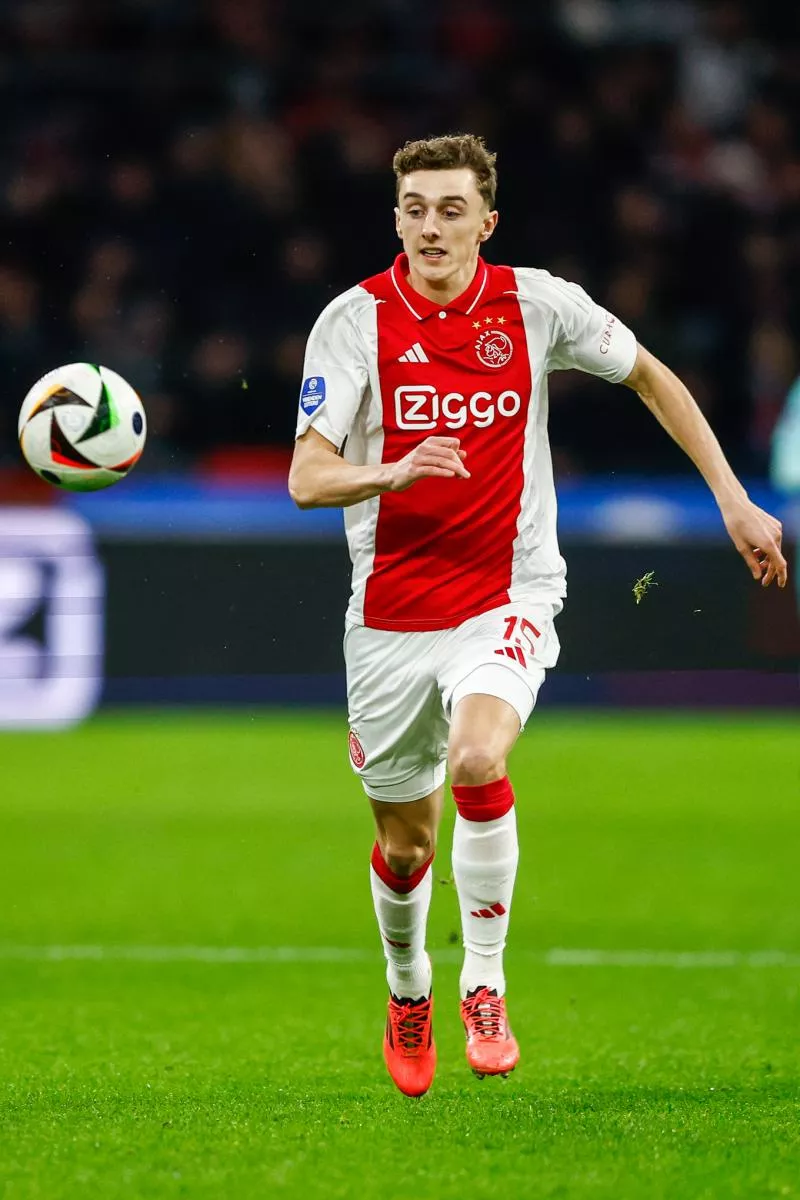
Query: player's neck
{"points": [[445, 290]]}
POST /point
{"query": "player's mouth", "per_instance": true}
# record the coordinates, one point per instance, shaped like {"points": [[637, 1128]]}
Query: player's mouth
{"points": [[433, 254]]}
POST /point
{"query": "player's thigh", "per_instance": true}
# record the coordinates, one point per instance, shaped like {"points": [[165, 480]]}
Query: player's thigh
{"points": [[398, 730], [501, 655], [483, 730]]}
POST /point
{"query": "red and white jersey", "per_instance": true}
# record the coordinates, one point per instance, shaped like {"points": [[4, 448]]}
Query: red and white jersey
{"points": [[385, 368]]}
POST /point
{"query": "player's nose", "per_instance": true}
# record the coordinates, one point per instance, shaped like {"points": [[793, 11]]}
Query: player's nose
{"points": [[430, 226]]}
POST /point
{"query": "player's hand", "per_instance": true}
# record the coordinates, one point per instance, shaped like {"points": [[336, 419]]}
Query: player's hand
{"points": [[757, 536], [435, 457]]}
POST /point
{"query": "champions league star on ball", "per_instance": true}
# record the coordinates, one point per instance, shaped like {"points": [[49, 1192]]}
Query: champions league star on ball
{"points": [[82, 427]]}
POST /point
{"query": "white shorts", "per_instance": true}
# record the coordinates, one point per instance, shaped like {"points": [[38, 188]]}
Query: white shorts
{"points": [[402, 689]]}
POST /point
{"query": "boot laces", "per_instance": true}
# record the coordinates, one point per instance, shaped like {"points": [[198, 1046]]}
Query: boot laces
{"points": [[484, 1013], [410, 1026]]}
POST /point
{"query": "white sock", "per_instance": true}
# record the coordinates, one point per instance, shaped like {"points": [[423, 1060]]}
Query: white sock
{"points": [[485, 856], [402, 921]]}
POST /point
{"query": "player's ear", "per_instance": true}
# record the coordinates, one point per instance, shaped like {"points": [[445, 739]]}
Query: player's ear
{"points": [[397, 223], [489, 226]]}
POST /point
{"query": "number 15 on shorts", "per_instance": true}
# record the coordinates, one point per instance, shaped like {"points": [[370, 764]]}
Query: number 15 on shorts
{"points": [[519, 640]]}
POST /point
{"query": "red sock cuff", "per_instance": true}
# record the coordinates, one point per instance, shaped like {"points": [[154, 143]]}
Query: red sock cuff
{"points": [[402, 884], [484, 802]]}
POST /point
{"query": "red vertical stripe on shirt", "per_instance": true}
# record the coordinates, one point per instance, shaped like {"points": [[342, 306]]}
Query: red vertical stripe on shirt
{"points": [[444, 547]]}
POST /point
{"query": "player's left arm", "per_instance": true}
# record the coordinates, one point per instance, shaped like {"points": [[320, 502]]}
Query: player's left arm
{"points": [[755, 533]]}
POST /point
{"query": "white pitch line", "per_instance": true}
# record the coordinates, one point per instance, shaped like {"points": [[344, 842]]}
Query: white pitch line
{"points": [[557, 957], [678, 959], [175, 954]]}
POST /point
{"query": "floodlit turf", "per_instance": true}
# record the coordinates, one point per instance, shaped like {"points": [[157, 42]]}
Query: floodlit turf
{"points": [[124, 1077]]}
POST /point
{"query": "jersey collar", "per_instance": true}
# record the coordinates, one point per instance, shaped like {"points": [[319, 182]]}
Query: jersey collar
{"points": [[421, 307]]}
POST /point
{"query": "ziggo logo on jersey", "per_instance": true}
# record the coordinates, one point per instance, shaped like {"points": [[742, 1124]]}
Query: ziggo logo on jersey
{"points": [[419, 406]]}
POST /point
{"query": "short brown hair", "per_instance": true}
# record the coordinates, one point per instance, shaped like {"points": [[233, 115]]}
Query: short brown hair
{"points": [[445, 153]]}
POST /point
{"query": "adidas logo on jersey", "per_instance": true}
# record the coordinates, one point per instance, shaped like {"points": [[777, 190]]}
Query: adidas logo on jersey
{"points": [[415, 354]]}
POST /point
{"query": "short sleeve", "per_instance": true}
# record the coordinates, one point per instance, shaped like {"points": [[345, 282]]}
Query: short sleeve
{"points": [[335, 372], [587, 336]]}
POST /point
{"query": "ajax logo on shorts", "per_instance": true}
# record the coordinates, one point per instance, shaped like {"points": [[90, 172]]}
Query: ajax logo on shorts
{"points": [[419, 406], [494, 348], [312, 394], [357, 755]]}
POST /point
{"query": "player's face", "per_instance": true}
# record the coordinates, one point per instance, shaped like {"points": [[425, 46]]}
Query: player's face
{"points": [[442, 221]]}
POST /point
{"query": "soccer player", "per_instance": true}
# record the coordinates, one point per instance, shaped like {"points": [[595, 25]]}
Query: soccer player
{"points": [[423, 414]]}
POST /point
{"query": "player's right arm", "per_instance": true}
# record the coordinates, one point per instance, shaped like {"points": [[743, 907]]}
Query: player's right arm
{"points": [[335, 381], [320, 478]]}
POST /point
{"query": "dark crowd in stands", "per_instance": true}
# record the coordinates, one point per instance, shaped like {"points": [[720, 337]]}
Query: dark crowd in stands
{"points": [[184, 185]]}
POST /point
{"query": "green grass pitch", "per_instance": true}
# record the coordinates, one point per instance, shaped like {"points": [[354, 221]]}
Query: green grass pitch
{"points": [[132, 1067]]}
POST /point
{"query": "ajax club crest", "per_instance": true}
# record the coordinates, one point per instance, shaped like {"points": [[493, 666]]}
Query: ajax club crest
{"points": [[494, 348], [357, 755]]}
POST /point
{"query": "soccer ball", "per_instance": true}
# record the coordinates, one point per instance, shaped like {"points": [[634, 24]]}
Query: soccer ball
{"points": [[82, 427]]}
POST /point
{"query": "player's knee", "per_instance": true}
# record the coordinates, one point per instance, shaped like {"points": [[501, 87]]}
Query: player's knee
{"points": [[405, 855], [472, 765]]}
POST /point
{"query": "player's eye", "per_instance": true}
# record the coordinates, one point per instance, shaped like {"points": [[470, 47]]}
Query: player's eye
{"points": [[450, 213], [414, 212]]}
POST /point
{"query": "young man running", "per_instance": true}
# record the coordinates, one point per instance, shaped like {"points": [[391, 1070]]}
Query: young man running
{"points": [[423, 413]]}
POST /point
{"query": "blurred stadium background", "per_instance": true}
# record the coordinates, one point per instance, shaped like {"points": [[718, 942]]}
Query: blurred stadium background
{"points": [[183, 186]]}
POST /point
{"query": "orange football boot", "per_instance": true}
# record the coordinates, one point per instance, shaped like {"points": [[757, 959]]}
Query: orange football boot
{"points": [[408, 1045], [491, 1046]]}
